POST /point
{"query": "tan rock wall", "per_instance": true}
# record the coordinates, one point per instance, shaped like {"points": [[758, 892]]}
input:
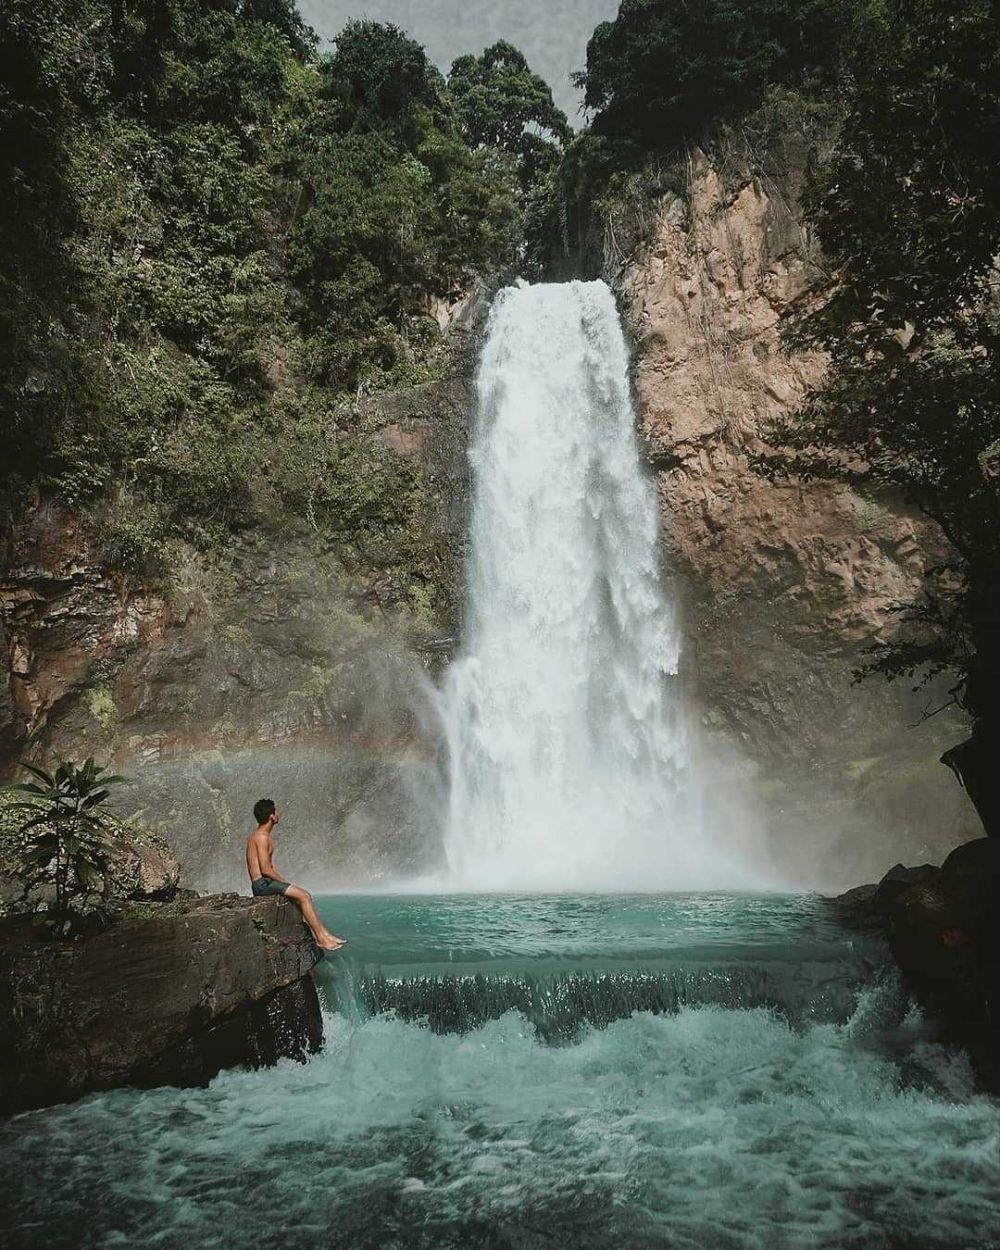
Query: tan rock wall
{"points": [[784, 582]]}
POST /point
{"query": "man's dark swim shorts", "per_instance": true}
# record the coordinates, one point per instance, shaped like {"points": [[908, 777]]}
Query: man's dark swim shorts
{"points": [[264, 887]]}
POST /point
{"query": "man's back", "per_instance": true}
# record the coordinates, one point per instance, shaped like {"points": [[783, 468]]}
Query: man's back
{"points": [[260, 848]]}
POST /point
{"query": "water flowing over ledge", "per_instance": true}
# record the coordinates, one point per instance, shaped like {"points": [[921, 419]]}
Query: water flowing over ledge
{"points": [[797, 1105]]}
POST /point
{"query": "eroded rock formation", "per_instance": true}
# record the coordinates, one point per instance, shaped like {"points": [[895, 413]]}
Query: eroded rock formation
{"points": [[289, 665], [786, 582]]}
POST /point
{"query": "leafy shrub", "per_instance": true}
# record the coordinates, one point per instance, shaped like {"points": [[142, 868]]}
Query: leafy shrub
{"points": [[65, 836]]}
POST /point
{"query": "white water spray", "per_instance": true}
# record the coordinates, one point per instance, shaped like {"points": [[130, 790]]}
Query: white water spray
{"points": [[568, 760]]}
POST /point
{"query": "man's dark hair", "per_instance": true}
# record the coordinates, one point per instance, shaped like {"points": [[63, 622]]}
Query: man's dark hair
{"points": [[263, 810]]}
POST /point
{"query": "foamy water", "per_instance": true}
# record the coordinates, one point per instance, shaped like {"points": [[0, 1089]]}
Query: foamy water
{"points": [[755, 1128], [569, 762]]}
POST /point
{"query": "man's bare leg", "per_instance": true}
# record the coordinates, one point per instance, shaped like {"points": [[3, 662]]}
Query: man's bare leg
{"points": [[322, 936]]}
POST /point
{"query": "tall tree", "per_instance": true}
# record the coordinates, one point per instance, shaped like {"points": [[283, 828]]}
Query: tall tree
{"points": [[380, 76], [909, 212], [503, 104], [395, 205], [664, 70]]}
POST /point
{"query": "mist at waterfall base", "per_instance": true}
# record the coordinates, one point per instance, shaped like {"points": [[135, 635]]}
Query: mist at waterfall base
{"points": [[569, 752], [694, 1072]]}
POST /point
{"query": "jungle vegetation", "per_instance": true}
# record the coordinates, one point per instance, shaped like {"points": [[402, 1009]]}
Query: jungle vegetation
{"points": [[212, 237]]}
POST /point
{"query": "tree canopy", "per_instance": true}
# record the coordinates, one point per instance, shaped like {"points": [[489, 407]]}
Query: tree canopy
{"points": [[908, 209], [379, 75], [504, 105], [210, 236], [664, 70]]}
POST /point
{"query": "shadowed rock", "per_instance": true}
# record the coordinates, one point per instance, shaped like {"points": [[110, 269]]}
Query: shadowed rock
{"points": [[943, 927], [200, 985], [974, 764], [898, 879]]}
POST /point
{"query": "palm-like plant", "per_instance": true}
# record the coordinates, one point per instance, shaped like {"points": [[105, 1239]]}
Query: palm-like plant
{"points": [[64, 831]]}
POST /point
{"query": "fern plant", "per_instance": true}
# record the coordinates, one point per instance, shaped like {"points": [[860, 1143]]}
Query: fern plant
{"points": [[66, 837]]}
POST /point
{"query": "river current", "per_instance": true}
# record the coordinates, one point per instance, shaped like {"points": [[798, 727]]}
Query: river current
{"points": [[699, 1071]]}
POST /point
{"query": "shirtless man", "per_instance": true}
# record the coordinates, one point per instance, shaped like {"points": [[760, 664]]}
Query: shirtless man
{"points": [[264, 879]]}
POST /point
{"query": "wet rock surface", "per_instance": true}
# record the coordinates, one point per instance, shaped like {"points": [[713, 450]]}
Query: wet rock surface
{"points": [[170, 996], [943, 928]]}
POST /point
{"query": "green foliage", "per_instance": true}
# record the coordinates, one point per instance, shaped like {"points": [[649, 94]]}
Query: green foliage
{"points": [[53, 77], [379, 76], [282, 16], [908, 209], [395, 206], [504, 105], [664, 71], [209, 238], [509, 118], [64, 835], [177, 61]]}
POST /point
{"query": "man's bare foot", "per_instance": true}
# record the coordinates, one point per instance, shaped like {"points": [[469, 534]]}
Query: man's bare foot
{"points": [[331, 943]]}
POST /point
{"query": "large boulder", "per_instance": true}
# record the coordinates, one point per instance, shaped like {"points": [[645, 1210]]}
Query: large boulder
{"points": [[949, 918], [899, 879], [169, 997], [971, 874], [943, 927], [944, 932]]}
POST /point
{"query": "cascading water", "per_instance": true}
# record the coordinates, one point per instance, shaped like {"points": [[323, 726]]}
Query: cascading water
{"points": [[569, 765]]}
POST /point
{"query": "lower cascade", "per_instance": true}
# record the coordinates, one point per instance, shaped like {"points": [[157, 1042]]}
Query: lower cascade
{"points": [[569, 767], [584, 1071]]}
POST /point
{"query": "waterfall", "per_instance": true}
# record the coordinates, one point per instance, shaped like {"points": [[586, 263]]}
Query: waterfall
{"points": [[569, 766]]}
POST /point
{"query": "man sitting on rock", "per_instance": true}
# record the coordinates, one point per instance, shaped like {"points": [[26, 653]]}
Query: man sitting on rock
{"points": [[264, 879]]}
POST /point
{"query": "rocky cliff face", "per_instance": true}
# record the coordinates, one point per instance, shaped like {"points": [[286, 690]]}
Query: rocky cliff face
{"points": [[294, 665], [784, 582], [171, 999], [289, 666]]}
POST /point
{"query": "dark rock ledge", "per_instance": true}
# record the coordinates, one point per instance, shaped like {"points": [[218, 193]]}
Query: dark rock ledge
{"points": [[943, 927], [169, 997]]}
